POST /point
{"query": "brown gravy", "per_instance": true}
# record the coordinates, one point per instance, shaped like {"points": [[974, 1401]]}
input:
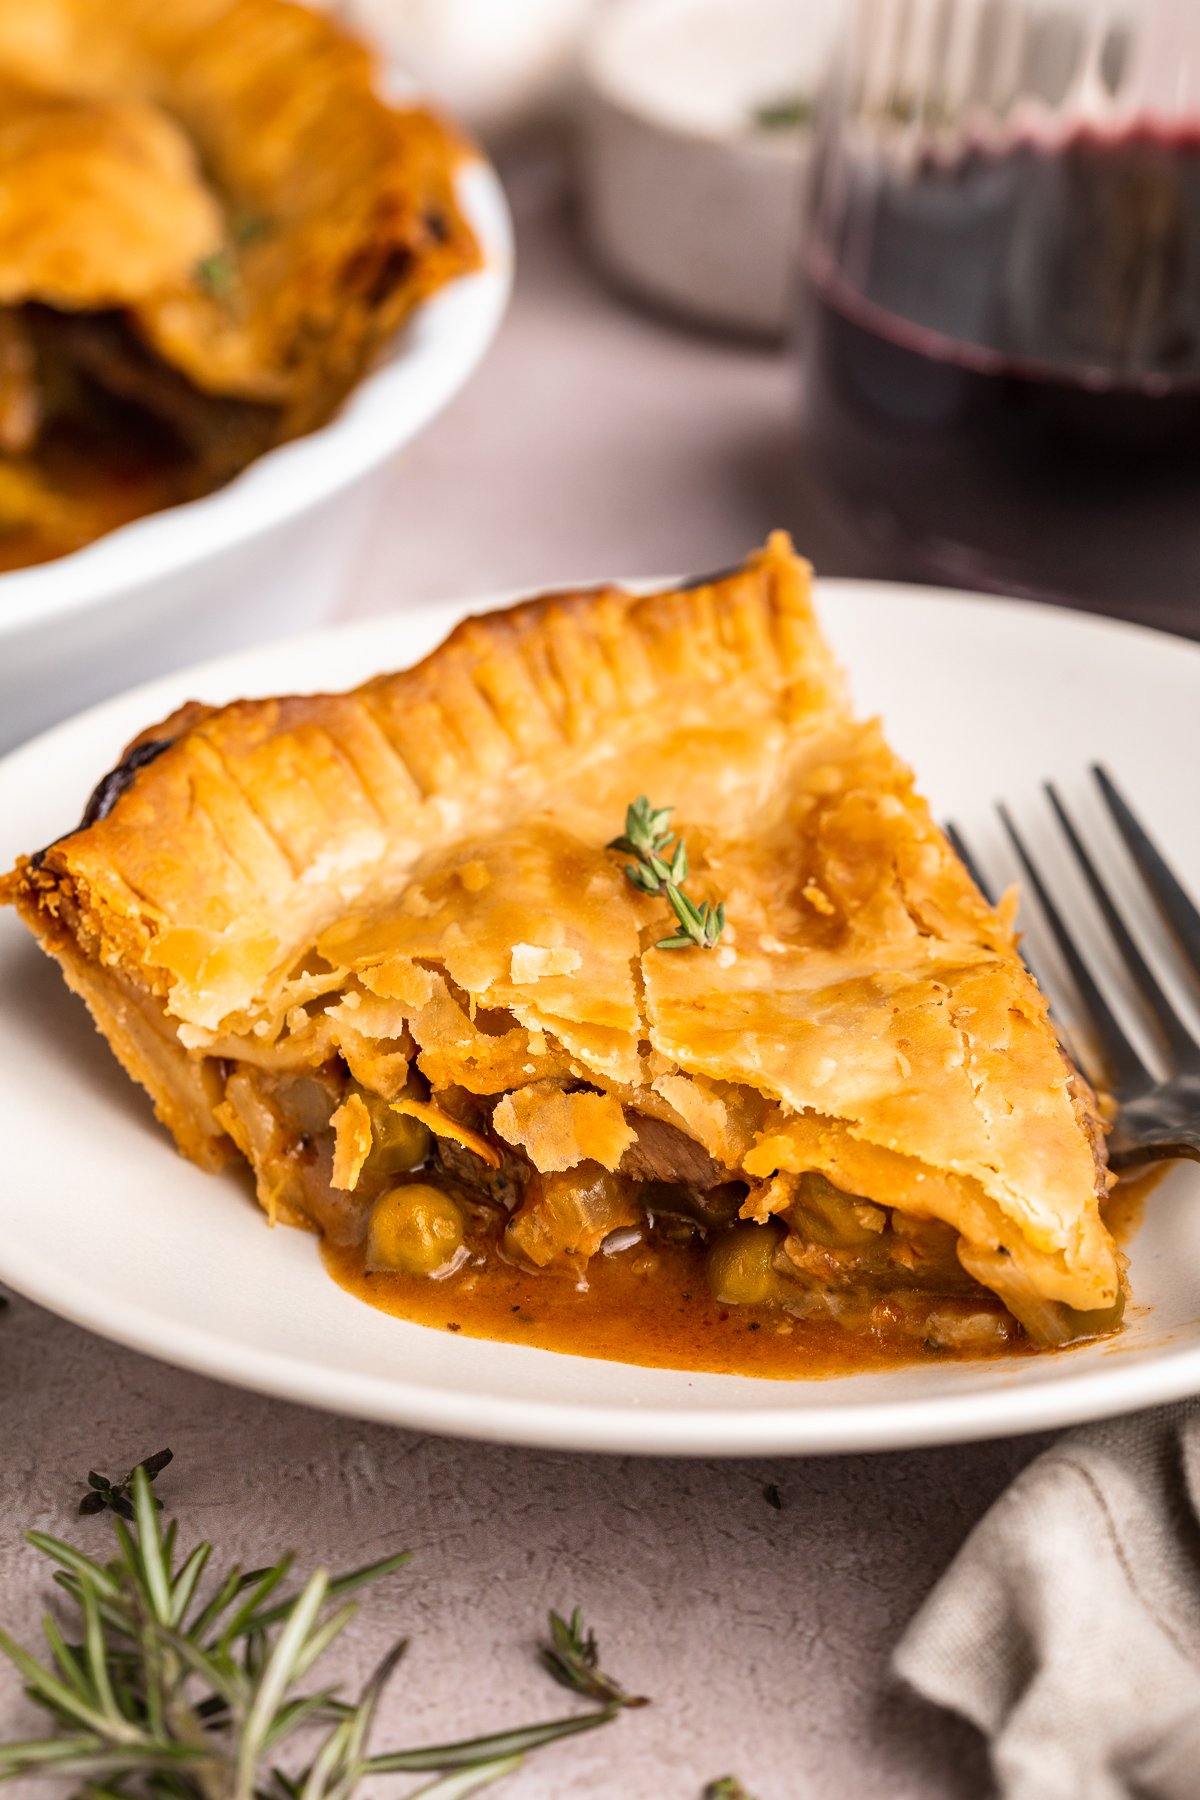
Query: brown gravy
{"points": [[654, 1308]]}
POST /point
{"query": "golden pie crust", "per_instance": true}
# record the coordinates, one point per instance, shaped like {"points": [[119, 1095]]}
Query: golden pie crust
{"points": [[407, 887]]}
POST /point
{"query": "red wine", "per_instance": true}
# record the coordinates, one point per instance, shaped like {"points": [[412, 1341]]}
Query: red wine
{"points": [[1002, 360]]}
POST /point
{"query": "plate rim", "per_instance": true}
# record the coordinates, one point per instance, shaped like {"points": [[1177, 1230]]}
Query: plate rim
{"points": [[630, 1429], [449, 611]]}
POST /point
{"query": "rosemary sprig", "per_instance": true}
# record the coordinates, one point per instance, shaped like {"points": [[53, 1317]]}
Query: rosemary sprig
{"points": [[573, 1658], [117, 1495], [162, 1691], [647, 838]]}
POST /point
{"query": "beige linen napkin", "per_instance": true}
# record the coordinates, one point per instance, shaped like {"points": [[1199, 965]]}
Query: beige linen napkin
{"points": [[1068, 1627]]}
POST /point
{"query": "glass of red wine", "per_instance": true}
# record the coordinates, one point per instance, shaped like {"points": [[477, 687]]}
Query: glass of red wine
{"points": [[1001, 293]]}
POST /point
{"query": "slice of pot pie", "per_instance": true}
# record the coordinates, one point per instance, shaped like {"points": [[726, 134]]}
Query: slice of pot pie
{"points": [[384, 946]]}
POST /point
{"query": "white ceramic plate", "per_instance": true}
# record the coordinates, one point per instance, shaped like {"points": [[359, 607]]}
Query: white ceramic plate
{"points": [[102, 1222]]}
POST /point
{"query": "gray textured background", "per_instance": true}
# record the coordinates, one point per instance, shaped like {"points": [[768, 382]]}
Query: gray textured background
{"points": [[595, 441], [762, 1636]]}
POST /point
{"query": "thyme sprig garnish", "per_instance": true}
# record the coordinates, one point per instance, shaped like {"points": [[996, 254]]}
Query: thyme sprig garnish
{"points": [[649, 840], [169, 1687], [117, 1496], [727, 1787], [572, 1657]]}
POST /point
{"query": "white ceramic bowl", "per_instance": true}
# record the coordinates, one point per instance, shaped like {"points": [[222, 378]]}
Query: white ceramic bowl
{"points": [[269, 552], [687, 202]]}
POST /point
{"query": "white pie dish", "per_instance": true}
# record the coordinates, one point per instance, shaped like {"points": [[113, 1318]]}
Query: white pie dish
{"points": [[102, 1221], [269, 552]]}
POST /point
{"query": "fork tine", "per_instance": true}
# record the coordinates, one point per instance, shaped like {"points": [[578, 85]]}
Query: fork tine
{"points": [[960, 848], [1128, 1071], [1179, 1038], [1174, 902]]}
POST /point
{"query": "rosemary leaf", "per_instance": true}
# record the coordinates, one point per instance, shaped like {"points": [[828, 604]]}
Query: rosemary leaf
{"points": [[472, 1751], [469, 1781], [341, 1585]]}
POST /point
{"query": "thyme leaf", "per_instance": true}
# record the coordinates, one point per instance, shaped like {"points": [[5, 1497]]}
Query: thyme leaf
{"points": [[247, 227], [217, 272], [662, 868], [726, 1787], [700, 925], [646, 836], [117, 1496], [572, 1657]]}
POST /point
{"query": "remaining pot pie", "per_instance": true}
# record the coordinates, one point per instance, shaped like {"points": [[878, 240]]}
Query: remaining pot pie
{"points": [[382, 946], [209, 224]]}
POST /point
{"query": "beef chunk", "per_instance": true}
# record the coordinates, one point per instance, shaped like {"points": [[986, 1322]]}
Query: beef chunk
{"points": [[664, 1153], [499, 1187], [221, 432]]}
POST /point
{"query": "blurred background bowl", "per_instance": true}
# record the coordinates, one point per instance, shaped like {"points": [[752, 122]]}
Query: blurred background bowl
{"points": [[696, 140], [268, 553], [496, 65]]}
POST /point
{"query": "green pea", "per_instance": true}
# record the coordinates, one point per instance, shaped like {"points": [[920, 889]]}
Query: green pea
{"points": [[740, 1265], [398, 1141], [415, 1230], [825, 1215]]}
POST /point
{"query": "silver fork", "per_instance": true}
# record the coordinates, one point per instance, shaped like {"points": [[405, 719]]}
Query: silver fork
{"points": [[1158, 1116]]}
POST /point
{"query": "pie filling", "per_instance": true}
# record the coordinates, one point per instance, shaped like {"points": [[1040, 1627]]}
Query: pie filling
{"points": [[426, 1186]]}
